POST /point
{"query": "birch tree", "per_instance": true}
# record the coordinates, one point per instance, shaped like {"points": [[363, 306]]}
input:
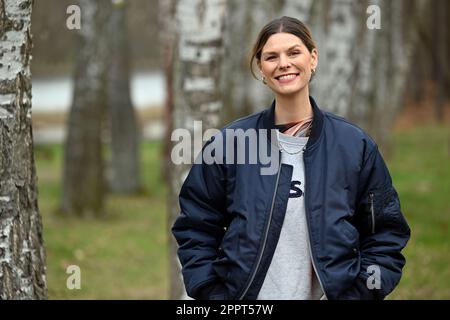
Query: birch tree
{"points": [[83, 185], [124, 176], [429, 75], [197, 57], [440, 53], [364, 53], [22, 254], [166, 9], [242, 95]]}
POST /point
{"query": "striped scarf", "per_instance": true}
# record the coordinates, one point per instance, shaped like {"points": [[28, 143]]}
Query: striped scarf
{"points": [[300, 128]]}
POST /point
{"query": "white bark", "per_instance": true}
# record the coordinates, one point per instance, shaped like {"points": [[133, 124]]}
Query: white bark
{"points": [[22, 254], [196, 72], [335, 63], [361, 72], [242, 94]]}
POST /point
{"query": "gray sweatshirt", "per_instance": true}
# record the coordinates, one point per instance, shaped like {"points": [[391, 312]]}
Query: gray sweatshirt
{"points": [[291, 274]]}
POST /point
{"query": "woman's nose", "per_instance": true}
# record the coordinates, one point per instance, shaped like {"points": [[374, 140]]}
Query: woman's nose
{"points": [[284, 62]]}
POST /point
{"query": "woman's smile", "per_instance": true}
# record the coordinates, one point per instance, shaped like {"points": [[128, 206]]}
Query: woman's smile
{"points": [[287, 78]]}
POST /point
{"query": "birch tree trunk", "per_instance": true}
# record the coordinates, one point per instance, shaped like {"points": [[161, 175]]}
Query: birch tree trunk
{"points": [[242, 95], [362, 72], [22, 254], [440, 56], [83, 185], [166, 9], [124, 176], [196, 71], [429, 75]]}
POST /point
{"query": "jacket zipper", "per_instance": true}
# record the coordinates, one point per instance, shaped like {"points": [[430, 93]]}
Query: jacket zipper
{"points": [[372, 211], [309, 233], [266, 233]]}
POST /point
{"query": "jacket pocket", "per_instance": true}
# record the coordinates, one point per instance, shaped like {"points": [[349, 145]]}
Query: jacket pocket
{"points": [[228, 250], [231, 239], [383, 209], [369, 218], [375, 204]]}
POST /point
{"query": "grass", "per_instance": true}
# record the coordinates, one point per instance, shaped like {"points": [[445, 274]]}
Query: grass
{"points": [[420, 169], [124, 256]]}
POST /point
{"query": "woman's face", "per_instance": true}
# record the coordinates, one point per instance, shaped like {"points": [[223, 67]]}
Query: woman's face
{"points": [[286, 63]]}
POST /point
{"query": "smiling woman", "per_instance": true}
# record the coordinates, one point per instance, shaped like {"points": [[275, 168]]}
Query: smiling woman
{"points": [[326, 225], [285, 58], [287, 65]]}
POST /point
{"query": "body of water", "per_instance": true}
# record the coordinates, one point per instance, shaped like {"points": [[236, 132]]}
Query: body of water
{"points": [[54, 94]]}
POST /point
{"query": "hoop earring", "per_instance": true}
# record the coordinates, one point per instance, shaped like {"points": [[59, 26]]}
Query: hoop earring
{"points": [[263, 79]]}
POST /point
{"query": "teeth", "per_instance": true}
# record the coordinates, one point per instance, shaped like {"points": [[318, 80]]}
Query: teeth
{"points": [[287, 77]]}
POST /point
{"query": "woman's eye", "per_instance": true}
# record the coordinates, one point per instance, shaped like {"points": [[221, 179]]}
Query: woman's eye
{"points": [[270, 58], [294, 53]]}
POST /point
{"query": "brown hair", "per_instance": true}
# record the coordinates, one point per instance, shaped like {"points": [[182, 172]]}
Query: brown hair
{"points": [[283, 24]]}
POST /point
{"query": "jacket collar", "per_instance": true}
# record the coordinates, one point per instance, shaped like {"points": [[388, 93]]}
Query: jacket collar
{"points": [[268, 121]]}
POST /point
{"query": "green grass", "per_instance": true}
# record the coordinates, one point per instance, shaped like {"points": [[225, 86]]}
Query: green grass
{"points": [[125, 254], [420, 169]]}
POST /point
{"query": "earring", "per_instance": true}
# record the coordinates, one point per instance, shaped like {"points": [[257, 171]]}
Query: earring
{"points": [[263, 79], [313, 72]]}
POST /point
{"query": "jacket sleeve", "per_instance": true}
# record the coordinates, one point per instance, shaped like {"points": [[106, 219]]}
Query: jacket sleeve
{"points": [[199, 229], [383, 229]]}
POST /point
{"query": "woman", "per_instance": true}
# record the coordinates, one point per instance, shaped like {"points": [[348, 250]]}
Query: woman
{"points": [[326, 225]]}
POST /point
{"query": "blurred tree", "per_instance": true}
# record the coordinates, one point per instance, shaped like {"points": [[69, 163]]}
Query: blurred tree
{"points": [[22, 253], [416, 86], [124, 176], [196, 70], [83, 185], [49, 32], [429, 75], [440, 55], [363, 70], [362, 66], [242, 95], [166, 9]]}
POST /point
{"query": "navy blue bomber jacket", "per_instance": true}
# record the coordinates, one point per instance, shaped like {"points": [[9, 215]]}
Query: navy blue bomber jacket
{"points": [[231, 216]]}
